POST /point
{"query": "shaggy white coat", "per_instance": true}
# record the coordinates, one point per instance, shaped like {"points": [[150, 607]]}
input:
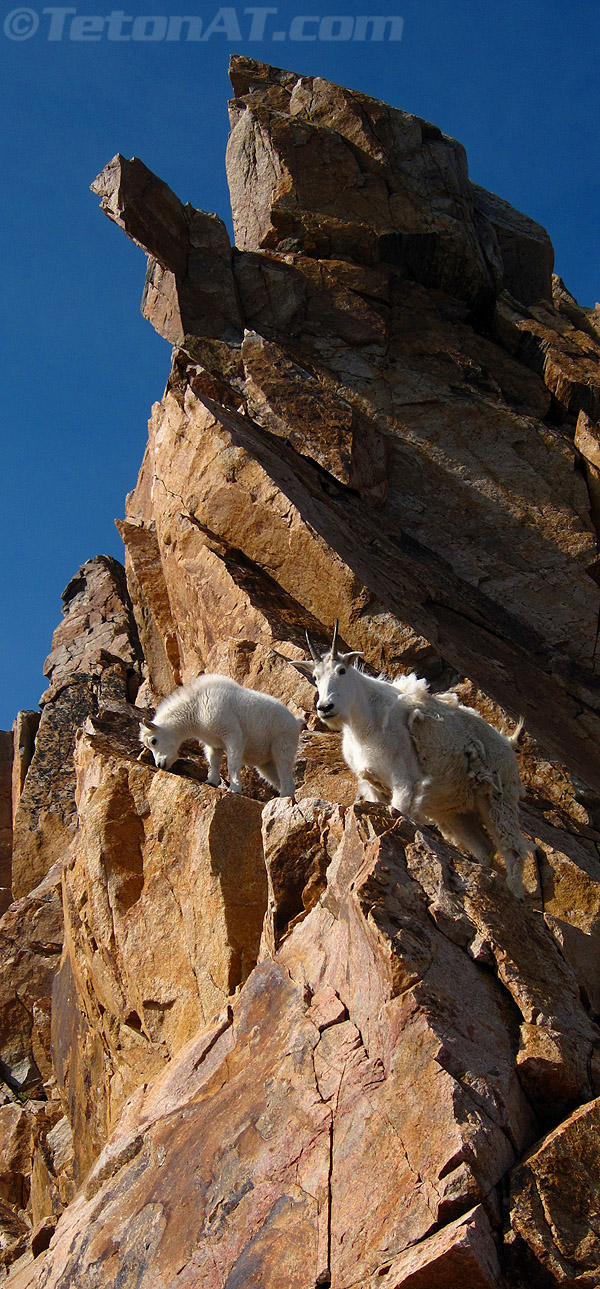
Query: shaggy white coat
{"points": [[251, 728], [428, 756]]}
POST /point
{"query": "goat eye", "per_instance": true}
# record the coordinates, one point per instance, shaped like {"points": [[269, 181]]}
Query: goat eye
{"points": [[341, 671], [153, 742]]}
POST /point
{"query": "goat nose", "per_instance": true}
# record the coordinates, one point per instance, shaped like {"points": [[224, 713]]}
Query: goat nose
{"points": [[324, 708]]}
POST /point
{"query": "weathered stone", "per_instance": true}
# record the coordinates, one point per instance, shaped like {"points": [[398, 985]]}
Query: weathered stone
{"points": [[97, 627], [6, 771], [587, 441], [546, 340], [298, 849], [95, 660], [24, 1272], [189, 283], [31, 938], [337, 440], [31, 934], [25, 727], [289, 402], [462, 1253], [15, 1155], [14, 1235], [154, 619], [336, 174], [173, 874], [554, 1206], [321, 770], [29, 1184], [367, 971], [526, 250], [45, 819]]}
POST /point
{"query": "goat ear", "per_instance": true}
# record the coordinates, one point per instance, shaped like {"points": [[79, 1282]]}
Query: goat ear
{"points": [[147, 723], [305, 668], [349, 657]]}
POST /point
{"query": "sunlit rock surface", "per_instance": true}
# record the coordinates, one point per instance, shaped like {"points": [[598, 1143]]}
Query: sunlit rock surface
{"points": [[247, 1040]]}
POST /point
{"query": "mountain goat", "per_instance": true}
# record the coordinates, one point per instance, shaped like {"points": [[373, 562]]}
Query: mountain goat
{"points": [[252, 728], [426, 754]]}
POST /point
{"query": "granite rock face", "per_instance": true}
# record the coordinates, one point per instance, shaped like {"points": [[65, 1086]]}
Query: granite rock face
{"points": [[6, 775], [247, 1040], [95, 659], [346, 1116], [401, 332]]}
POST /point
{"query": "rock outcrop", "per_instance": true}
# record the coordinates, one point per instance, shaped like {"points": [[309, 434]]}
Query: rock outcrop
{"points": [[248, 1040], [6, 773], [95, 658]]}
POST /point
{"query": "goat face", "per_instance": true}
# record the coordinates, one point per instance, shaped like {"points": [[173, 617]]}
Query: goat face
{"points": [[334, 677], [161, 742]]}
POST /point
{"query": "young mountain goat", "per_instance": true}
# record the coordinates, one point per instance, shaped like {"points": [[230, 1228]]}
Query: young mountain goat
{"points": [[252, 728], [426, 754]]}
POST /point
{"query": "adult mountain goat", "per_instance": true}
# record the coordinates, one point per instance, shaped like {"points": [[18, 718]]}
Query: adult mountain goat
{"points": [[252, 728], [426, 754]]}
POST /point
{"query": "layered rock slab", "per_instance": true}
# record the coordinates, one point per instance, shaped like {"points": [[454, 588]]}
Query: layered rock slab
{"points": [[554, 1206], [164, 893], [95, 659], [6, 774], [35, 1172], [292, 476], [31, 939], [410, 456], [323, 1072]]}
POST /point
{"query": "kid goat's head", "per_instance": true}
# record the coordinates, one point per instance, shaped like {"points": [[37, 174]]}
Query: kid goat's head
{"points": [[334, 676], [161, 742]]}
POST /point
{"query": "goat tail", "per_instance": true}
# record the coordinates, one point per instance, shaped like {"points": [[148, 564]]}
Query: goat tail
{"points": [[515, 737]]}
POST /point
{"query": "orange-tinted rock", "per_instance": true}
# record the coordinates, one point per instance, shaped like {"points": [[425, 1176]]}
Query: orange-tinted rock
{"points": [[189, 272], [544, 337], [337, 439], [321, 770], [351, 367], [309, 1086], [154, 618], [298, 848], [25, 727], [553, 1236], [95, 660], [15, 1154], [165, 894], [31, 937], [6, 771], [462, 1253]]}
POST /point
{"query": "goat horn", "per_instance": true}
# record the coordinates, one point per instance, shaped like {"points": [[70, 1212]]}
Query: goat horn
{"points": [[311, 649], [334, 640]]}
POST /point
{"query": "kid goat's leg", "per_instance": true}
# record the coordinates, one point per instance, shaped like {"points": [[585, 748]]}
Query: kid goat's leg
{"points": [[234, 749], [284, 754], [213, 756]]}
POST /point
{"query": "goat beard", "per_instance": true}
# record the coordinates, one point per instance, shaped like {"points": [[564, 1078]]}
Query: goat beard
{"points": [[332, 722]]}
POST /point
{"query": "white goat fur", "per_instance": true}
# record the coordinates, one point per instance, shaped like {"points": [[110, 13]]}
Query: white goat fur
{"points": [[432, 758], [252, 728]]}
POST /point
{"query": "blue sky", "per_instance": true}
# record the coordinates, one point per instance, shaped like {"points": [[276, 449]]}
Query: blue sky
{"points": [[516, 82]]}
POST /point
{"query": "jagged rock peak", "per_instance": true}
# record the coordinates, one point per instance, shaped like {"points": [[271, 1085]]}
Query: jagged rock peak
{"points": [[247, 1039], [326, 171]]}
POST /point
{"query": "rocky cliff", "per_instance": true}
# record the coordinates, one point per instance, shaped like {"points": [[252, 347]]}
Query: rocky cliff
{"points": [[247, 1041]]}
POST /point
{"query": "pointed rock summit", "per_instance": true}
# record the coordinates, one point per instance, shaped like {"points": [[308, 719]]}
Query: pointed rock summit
{"points": [[250, 1040]]}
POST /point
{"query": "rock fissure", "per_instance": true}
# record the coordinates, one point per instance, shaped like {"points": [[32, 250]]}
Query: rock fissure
{"points": [[354, 428]]}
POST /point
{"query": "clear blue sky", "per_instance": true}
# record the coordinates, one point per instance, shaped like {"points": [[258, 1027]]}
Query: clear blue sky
{"points": [[516, 82]]}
